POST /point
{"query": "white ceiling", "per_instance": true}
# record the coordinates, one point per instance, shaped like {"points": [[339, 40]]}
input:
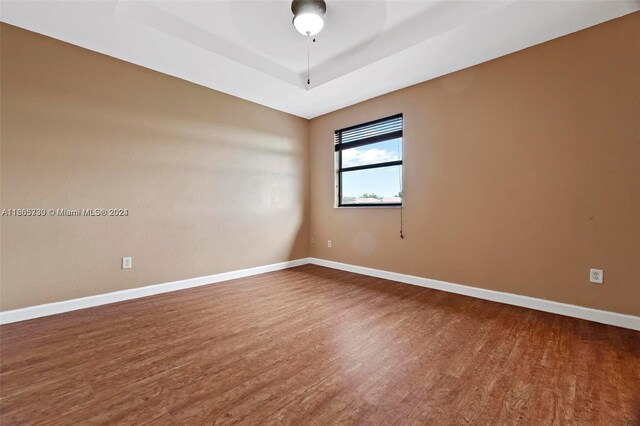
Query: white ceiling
{"points": [[251, 50]]}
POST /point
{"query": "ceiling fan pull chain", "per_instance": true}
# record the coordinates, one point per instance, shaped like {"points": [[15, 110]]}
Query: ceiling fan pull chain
{"points": [[308, 54]]}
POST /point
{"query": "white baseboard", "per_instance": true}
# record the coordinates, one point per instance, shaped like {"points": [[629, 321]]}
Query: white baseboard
{"points": [[31, 312], [604, 317]]}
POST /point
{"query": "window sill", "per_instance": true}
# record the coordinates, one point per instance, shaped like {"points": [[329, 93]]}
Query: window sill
{"points": [[369, 207]]}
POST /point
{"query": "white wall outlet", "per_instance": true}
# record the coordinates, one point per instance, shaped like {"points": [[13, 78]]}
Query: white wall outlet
{"points": [[596, 276], [126, 263], [329, 243]]}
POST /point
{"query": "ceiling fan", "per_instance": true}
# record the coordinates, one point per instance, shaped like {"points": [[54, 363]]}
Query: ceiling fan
{"points": [[308, 20]]}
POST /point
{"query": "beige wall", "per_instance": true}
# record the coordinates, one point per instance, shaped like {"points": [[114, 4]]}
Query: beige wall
{"points": [[520, 174], [213, 183]]}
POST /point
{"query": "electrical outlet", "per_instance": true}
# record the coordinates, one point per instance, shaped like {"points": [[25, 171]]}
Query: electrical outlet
{"points": [[126, 263], [596, 276], [329, 244]]}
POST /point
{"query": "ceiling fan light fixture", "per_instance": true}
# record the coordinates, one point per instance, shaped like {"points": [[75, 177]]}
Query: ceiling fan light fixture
{"points": [[307, 16], [308, 23]]}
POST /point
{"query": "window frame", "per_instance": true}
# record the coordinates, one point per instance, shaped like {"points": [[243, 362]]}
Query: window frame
{"points": [[370, 141]]}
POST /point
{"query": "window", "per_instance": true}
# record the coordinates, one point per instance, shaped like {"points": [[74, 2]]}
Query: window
{"points": [[369, 163]]}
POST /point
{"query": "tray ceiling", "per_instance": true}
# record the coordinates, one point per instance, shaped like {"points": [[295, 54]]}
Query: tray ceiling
{"points": [[251, 50]]}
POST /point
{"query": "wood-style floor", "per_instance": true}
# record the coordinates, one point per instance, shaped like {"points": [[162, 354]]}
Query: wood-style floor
{"points": [[312, 345]]}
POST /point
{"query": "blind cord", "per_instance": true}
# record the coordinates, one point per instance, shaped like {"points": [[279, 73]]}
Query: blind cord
{"points": [[401, 182]]}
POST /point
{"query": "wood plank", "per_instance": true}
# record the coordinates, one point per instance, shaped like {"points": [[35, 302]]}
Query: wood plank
{"points": [[312, 345]]}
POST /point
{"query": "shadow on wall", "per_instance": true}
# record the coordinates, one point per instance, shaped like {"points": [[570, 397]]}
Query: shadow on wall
{"points": [[211, 183]]}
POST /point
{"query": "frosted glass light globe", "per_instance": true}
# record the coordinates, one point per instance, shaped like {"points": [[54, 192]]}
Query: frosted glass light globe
{"points": [[308, 23]]}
